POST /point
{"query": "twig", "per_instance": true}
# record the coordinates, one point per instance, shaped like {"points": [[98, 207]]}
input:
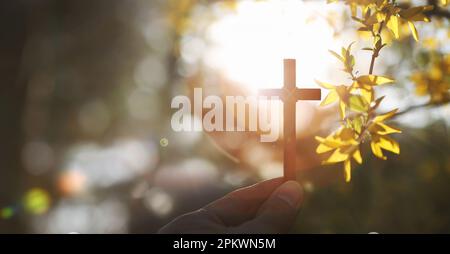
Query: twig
{"points": [[415, 107], [372, 63], [437, 10], [375, 54]]}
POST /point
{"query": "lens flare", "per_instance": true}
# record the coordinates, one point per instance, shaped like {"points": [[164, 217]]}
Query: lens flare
{"points": [[37, 201], [72, 182], [6, 213]]}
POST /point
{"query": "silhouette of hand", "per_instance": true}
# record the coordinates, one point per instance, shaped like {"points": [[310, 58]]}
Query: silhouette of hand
{"points": [[267, 207]]}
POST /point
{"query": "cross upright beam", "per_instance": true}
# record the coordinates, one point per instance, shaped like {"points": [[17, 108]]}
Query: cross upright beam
{"points": [[289, 94]]}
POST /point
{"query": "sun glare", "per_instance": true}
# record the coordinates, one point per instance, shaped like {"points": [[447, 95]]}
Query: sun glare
{"points": [[248, 46]]}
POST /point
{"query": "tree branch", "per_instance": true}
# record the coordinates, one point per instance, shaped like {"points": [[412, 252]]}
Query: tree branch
{"points": [[375, 54], [415, 107], [437, 11]]}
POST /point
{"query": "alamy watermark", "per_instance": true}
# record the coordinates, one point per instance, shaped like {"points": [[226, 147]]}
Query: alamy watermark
{"points": [[237, 113]]}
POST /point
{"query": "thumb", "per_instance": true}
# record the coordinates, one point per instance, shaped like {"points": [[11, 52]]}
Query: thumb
{"points": [[279, 211]]}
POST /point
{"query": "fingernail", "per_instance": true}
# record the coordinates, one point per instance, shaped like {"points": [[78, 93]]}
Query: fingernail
{"points": [[291, 193]]}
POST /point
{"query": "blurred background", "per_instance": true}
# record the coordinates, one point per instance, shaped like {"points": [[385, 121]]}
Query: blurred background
{"points": [[86, 143]]}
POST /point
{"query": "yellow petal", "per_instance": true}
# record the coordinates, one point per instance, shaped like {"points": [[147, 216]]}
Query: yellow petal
{"points": [[413, 30], [374, 80], [385, 116], [346, 134], [348, 170], [336, 156], [387, 129], [357, 156], [380, 16], [322, 148], [320, 139], [376, 150], [325, 85], [331, 97], [389, 144], [330, 141], [393, 25]]}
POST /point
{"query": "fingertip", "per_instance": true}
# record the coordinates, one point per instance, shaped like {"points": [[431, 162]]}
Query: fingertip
{"points": [[262, 190], [290, 192], [243, 204], [279, 212]]}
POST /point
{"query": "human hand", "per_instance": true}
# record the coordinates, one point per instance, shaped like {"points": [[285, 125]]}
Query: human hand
{"points": [[267, 207]]}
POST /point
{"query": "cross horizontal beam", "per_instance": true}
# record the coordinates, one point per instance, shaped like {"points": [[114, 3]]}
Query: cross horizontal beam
{"points": [[298, 94]]}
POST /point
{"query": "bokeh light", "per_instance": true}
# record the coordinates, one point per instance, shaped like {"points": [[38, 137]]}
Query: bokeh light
{"points": [[6, 212], [94, 117], [103, 217], [270, 170], [107, 166], [158, 201], [187, 175], [71, 182], [38, 157], [164, 142], [37, 201]]}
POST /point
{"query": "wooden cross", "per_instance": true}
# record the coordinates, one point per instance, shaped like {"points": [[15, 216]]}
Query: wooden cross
{"points": [[290, 94]]}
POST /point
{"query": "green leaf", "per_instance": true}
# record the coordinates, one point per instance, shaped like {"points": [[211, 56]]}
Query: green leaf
{"points": [[357, 103], [336, 55], [331, 97], [325, 85], [357, 124], [373, 80], [367, 94], [344, 53]]}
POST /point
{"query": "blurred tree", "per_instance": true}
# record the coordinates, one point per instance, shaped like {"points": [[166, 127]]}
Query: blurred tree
{"points": [[13, 35]]}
